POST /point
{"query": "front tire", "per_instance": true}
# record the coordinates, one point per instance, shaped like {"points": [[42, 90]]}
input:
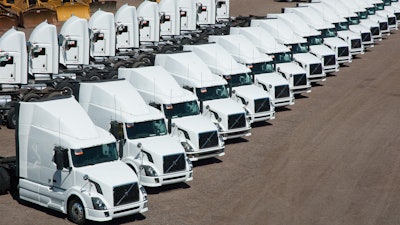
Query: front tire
{"points": [[76, 211]]}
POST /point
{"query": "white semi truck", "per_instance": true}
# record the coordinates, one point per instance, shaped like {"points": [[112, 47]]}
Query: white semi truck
{"points": [[212, 91], [254, 99], [353, 39], [66, 163], [314, 40], [298, 46], [328, 32], [240, 46], [198, 135], [140, 130]]}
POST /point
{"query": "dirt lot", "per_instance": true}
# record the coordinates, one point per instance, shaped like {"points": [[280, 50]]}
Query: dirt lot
{"points": [[332, 158]]}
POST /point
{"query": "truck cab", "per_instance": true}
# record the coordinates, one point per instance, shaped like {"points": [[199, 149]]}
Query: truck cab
{"points": [[328, 32], [68, 164], [385, 11], [242, 47], [254, 99], [126, 28], [198, 136], [298, 46], [353, 39], [149, 23], [140, 130], [193, 74], [314, 40], [353, 21]]}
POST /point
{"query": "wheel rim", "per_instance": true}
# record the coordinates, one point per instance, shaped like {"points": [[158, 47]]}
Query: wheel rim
{"points": [[77, 212]]}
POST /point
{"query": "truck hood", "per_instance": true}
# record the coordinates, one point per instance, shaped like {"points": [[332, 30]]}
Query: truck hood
{"points": [[359, 29], [271, 78], [306, 58], [334, 41], [224, 106], [250, 92], [321, 50], [349, 34], [369, 23], [111, 174], [196, 124], [160, 145], [290, 68]]}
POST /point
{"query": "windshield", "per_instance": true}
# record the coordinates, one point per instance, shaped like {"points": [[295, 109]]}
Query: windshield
{"points": [[94, 155], [342, 26], [211, 93], [371, 11], [363, 15], [299, 48], [264, 67], [353, 20], [282, 57], [315, 40], [330, 32], [379, 6], [239, 79], [181, 109], [387, 2], [146, 129]]}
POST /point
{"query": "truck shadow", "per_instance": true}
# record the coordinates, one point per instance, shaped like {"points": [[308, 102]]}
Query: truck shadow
{"points": [[170, 187], [260, 124], [300, 96], [122, 220], [235, 141], [205, 162]]}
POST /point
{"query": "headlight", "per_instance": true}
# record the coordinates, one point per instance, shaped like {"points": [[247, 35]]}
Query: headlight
{"points": [[98, 204], [149, 171], [187, 147], [190, 164], [144, 193]]}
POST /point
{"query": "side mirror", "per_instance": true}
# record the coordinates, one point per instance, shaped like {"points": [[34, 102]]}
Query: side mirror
{"points": [[61, 158], [117, 130]]}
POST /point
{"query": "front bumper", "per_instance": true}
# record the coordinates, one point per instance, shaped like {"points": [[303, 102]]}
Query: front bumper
{"points": [[116, 212], [171, 178], [236, 133], [206, 153]]}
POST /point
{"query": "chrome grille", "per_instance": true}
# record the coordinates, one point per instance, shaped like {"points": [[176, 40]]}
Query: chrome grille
{"points": [[343, 51], [282, 91], [208, 139], [236, 121], [397, 15], [299, 80], [174, 163], [315, 68], [329, 60], [262, 105], [126, 194]]}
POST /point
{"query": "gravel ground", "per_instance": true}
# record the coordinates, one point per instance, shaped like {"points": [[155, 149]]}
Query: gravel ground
{"points": [[332, 158]]}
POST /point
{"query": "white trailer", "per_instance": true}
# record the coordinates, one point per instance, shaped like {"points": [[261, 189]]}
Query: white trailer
{"points": [[297, 45], [66, 163], [211, 90], [328, 32], [198, 135], [241, 47], [314, 40], [140, 130], [254, 99]]}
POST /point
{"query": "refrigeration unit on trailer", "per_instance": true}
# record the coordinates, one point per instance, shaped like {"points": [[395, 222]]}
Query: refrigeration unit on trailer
{"points": [[211, 90], [242, 49], [255, 100], [198, 135], [68, 164], [140, 130], [298, 46], [328, 32]]}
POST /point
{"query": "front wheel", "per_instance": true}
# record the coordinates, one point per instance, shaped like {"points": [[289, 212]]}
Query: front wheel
{"points": [[76, 211]]}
